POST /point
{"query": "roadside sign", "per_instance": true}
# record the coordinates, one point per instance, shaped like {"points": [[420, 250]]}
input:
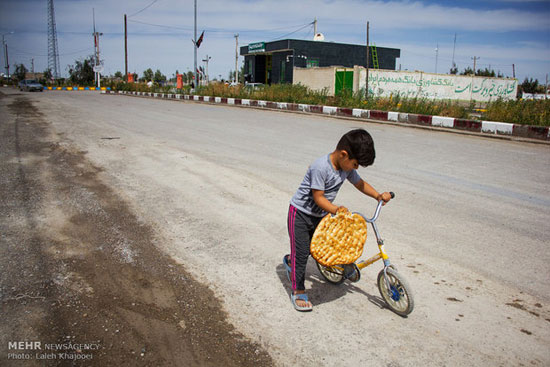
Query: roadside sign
{"points": [[256, 47], [98, 68]]}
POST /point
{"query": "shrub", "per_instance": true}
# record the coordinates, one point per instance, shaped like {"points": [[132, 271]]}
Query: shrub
{"points": [[528, 112]]}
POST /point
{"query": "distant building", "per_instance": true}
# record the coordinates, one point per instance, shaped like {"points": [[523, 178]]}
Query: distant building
{"points": [[274, 62], [29, 75]]}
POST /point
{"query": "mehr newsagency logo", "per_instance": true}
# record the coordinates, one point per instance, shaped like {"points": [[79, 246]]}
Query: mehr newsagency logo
{"points": [[37, 350]]}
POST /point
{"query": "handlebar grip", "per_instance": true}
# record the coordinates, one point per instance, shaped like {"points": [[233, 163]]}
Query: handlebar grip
{"points": [[392, 194]]}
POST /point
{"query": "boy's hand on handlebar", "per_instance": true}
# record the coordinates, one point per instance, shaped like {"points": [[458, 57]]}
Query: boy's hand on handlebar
{"points": [[385, 197]]}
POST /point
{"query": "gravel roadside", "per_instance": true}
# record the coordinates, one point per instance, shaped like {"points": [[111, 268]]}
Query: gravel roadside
{"points": [[80, 271]]}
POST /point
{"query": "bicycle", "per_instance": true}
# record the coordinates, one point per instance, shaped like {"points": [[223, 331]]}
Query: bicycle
{"points": [[393, 287]]}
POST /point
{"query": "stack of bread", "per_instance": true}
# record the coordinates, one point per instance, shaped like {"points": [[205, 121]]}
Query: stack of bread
{"points": [[339, 239]]}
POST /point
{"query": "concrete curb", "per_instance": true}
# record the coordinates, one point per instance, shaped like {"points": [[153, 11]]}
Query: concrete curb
{"points": [[485, 128], [103, 89]]}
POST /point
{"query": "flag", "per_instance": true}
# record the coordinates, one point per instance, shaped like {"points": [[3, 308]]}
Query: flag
{"points": [[199, 41]]}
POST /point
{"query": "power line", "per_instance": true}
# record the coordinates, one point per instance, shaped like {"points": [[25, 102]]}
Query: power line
{"points": [[160, 25], [147, 7], [288, 34], [222, 30]]}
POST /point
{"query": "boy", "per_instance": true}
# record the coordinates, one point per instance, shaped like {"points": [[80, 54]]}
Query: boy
{"points": [[313, 200]]}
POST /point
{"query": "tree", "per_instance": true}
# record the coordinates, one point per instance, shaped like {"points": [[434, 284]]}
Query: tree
{"points": [[48, 74], [118, 74], [20, 71], [467, 71], [148, 74], [529, 85], [454, 70], [241, 75], [486, 72], [159, 77], [82, 72]]}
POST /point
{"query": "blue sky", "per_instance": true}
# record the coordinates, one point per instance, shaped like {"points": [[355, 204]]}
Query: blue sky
{"points": [[499, 33]]}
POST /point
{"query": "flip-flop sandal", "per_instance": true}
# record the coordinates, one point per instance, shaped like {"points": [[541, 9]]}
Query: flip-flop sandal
{"points": [[286, 262], [302, 297]]}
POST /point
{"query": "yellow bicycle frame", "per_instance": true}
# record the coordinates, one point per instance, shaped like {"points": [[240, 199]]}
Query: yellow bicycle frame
{"points": [[381, 255]]}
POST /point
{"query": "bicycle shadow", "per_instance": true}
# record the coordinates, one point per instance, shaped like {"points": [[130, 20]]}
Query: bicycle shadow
{"points": [[321, 291]]}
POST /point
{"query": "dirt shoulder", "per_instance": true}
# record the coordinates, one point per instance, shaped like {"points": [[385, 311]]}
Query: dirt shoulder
{"points": [[81, 274]]}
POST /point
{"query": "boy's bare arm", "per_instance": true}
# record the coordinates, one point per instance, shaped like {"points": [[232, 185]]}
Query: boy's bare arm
{"points": [[324, 203], [367, 189]]}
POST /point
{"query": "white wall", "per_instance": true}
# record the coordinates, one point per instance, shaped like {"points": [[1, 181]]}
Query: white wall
{"points": [[438, 86], [316, 78], [413, 84]]}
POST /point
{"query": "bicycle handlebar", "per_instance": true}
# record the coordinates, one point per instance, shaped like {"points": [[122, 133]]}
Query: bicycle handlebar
{"points": [[377, 211]]}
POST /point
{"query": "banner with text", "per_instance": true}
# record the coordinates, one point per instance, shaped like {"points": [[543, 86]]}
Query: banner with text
{"points": [[386, 83]]}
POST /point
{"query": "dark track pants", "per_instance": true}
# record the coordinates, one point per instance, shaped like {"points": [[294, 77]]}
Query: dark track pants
{"points": [[300, 230]]}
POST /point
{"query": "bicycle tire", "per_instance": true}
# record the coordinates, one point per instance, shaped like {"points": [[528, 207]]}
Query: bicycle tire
{"points": [[399, 297], [331, 275]]}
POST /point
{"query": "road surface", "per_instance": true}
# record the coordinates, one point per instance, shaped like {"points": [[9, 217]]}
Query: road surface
{"points": [[468, 228]]}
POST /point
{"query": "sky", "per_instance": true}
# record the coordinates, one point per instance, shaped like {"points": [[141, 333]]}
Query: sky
{"points": [[499, 33]]}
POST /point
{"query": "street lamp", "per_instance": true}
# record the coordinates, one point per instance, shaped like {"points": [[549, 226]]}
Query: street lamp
{"points": [[5, 48]]}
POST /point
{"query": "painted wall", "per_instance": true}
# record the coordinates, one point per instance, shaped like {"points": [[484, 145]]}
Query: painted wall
{"points": [[438, 86], [414, 84]]}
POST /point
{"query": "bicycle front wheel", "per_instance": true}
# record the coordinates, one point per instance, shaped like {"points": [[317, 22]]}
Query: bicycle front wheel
{"points": [[395, 290]]}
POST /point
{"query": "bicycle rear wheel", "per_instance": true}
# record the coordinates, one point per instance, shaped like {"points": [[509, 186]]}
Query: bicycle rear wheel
{"points": [[331, 274], [396, 292]]}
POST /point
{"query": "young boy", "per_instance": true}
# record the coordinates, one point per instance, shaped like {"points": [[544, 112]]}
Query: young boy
{"points": [[313, 200]]}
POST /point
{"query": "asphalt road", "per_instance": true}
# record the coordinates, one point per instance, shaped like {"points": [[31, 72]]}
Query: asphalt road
{"points": [[468, 228]]}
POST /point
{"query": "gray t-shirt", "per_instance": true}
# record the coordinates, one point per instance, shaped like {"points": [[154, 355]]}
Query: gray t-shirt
{"points": [[321, 175]]}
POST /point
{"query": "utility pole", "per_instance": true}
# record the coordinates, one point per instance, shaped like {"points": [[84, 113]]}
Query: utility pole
{"points": [[514, 70], [125, 49], [367, 81], [7, 61], [206, 61], [5, 48], [195, 72], [315, 27], [436, 55], [546, 88], [97, 60], [475, 58], [236, 58], [454, 47], [32, 68]]}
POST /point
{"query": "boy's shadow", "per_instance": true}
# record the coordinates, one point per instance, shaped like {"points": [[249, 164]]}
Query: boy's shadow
{"points": [[321, 290]]}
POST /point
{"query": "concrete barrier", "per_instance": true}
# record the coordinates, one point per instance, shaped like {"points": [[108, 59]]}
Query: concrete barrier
{"points": [[443, 121]]}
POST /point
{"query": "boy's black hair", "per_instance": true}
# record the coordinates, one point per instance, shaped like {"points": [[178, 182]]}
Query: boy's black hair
{"points": [[359, 145]]}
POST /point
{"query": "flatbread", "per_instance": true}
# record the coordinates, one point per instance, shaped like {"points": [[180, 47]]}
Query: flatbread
{"points": [[339, 239]]}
